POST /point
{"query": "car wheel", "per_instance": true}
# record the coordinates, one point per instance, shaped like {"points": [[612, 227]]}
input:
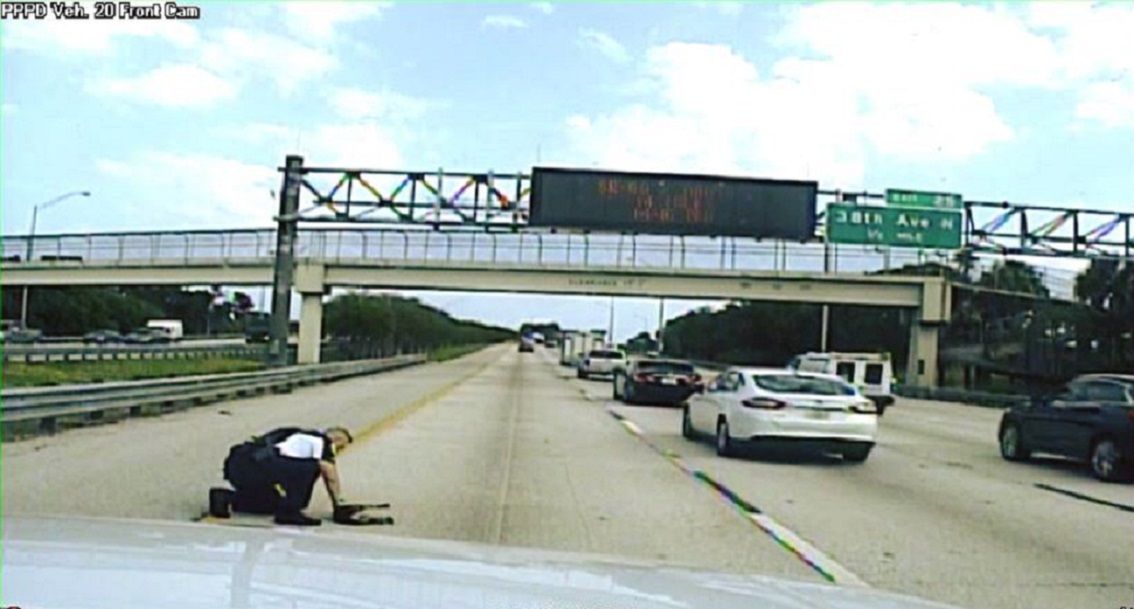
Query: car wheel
{"points": [[628, 392], [615, 382], [1107, 461], [687, 425], [724, 442], [1012, 445], [857, 453]]}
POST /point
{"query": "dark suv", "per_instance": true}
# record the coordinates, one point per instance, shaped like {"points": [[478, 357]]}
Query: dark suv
{"points": [[1091, 419]]}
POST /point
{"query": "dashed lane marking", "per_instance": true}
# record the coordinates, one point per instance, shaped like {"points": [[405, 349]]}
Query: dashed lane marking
{"points": [[787, 539]]}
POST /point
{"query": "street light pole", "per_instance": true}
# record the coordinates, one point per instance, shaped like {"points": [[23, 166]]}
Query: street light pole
{"points": [[31, 241]]}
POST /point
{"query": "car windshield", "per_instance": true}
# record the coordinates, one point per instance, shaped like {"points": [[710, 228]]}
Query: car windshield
{"points": [[606, 355], [665, 367], [792, 383]]}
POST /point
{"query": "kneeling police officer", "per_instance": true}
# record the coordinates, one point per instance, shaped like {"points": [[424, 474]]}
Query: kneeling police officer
{"points": [[276, 473]]}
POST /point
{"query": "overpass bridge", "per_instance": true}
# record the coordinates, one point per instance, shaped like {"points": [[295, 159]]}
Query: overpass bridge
{"points": [[507, 261]]}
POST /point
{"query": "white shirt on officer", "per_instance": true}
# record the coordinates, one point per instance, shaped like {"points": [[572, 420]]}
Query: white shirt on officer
{"points": [[301, 446]]}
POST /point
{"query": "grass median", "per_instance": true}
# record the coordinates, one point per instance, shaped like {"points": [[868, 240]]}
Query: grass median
{"points": [[18, 374]]}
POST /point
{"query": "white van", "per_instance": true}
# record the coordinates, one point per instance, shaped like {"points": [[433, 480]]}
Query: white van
{"points": [[872, 373], [173, 328]]}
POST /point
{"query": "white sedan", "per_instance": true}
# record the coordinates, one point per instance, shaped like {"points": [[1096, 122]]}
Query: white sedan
{"points": [[751, 404]]}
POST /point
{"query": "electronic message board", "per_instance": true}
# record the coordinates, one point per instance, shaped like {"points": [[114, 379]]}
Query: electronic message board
{"points": [[672, 204]]}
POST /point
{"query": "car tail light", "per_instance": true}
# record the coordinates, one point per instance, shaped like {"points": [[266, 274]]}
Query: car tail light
{"points": [[866, 407], [642, 377], [763, 403]]}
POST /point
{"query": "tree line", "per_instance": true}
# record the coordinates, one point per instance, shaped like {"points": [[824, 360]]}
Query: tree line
{"points": [[1095, 333], [74, 311], [367, 325]]}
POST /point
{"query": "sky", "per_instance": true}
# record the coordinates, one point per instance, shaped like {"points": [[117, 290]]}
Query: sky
{"points": [[181, 124]]}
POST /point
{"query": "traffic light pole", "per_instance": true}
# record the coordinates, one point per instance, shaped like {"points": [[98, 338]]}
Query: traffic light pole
{"points": [[286, 231]]}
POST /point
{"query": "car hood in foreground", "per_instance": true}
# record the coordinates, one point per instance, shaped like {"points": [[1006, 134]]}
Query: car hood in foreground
{"points": [[119, 564]]}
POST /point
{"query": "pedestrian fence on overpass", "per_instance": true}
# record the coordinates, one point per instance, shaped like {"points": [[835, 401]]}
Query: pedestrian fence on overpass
{"points": [[43, 354], [45, 409], [421, 245]]}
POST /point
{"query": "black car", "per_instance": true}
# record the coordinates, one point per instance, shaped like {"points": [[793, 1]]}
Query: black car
{"points": [[147, 336], [102, 337], [1091, 419], [663, 381]]}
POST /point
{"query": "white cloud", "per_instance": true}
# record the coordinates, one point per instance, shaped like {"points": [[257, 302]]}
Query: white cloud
{"points": [[604, 43], [504, 22], [1109, 103], [348, 144], [355, 104], [171, 85], [198, 188], [9, 109], [729, 9], [715, 114], [913, 82], [546, 8], [246, 54], [318, 20], [96, 37]]}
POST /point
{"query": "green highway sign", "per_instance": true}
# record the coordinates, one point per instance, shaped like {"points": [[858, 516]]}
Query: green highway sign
{"points": [[893, 226], [916, 198]]}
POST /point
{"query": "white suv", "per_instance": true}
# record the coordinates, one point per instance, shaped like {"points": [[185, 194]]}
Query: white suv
{"points": [[600, 362]]}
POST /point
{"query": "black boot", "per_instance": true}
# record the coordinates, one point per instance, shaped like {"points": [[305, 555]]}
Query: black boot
{"points": [[297, 519], [220, 502]]}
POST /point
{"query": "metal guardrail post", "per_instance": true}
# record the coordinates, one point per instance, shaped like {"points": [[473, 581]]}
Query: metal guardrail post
{"points": [[405, 244], [448, 247], [493, 235], [539, 249]]}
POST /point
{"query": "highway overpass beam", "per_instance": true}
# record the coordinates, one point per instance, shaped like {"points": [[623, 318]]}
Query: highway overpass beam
{"points": [[310, 327]]}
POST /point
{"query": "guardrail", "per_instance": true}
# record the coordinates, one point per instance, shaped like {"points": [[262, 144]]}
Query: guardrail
{"points": [[40, 354], [967, 396], [188, 338], [91, 403]]}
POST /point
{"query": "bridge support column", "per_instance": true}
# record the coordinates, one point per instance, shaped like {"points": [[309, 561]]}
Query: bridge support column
{"points": [[925, 332], [310, 327], [921, 369], [310, 282]]}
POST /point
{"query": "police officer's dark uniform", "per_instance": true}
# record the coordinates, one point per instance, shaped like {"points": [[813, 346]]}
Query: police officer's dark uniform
{"points": [[276, 473]]}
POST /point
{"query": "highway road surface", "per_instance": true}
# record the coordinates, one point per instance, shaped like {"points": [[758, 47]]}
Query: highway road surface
{"points": [[506, 448]]}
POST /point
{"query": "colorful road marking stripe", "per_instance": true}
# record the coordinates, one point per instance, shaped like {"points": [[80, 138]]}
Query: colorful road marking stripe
{"points": [[811, 556]]}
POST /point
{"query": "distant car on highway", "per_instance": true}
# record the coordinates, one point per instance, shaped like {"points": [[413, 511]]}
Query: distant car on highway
{"points": [[872, 373], [1091, 419], [600, 362], [102, 337], [173, 328], [147, 336], [745, 405], [527, 344], [19, 335], [655, 380]]}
